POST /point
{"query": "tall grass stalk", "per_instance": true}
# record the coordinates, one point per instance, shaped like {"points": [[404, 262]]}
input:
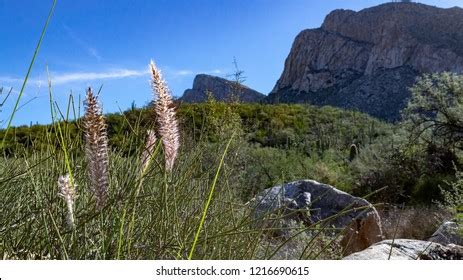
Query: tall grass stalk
{"points": [[96, 148], [57, 127], [37, 48], [165, 117], [209, 199]]}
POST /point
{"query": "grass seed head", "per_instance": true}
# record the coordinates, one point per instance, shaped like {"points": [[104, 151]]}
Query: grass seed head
{"points": [[165, 117], [68, 192], [96, 148]]}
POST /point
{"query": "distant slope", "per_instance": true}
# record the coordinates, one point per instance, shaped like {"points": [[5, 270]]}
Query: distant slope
{"points": [[221, 89], [273, 125], [367, 60]]}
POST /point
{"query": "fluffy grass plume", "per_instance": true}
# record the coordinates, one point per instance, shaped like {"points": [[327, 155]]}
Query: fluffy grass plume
{"points": [[68, 192], [96, 148], [166, 119]]}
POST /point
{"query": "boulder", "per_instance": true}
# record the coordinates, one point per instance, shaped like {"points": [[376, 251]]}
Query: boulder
{"points": [[408, 249], [448, 233], [321, 205]]}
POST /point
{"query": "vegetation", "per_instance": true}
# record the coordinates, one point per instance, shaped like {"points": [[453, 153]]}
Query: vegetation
{"points": [[68, 191], [172, 181], [152, 212], [280, 143]]}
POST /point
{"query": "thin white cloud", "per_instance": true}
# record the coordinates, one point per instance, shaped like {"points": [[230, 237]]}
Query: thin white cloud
{"points": [[82, 77], [66, 78]]}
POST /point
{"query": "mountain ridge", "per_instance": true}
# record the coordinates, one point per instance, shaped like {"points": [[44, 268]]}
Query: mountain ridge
{"points": [[368, 60], [221, 89]]}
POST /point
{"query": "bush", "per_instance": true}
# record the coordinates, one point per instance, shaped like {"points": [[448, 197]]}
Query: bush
{"points": [[434, 114]]}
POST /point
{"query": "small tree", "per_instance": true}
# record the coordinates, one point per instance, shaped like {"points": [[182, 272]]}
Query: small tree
{"points": [[238, 79], [435, 111]]}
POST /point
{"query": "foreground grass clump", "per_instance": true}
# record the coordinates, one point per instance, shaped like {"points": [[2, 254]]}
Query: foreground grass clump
{"points": [[192, 202], [33, 217], [167, 206], [153, 201]]}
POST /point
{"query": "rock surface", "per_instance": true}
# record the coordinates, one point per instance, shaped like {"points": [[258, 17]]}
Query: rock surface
{"points": [[367, 60], [408, 249], [311, 202], [221, 89], [448, 233]]}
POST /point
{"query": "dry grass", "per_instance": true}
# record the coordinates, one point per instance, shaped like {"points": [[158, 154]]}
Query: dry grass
{"points": [[415, 222]]}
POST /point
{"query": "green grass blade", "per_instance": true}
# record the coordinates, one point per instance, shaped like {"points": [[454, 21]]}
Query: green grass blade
{"points": [[37, 48], [209, 199]]}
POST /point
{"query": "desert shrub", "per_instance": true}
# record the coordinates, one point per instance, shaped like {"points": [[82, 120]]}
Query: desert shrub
{"points": [[415, 164], [211, 121], [430, 188], [435, 111], [453, 197], [404, 174], [380, 166], [264, 167]]}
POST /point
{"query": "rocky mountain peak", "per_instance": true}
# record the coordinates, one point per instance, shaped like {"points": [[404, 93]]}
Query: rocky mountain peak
{"points": [[367, 60], [221, 89]]}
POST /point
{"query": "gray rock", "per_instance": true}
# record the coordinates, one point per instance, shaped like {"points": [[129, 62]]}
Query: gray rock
{"points": [[221, 89], [368, 60], [448, 233], [310, 202], [408, 249]]}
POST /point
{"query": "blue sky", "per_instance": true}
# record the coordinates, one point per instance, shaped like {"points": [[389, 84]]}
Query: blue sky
{"points": [[109, 43]]}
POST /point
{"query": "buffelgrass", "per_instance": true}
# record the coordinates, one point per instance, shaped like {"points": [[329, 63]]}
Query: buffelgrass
{"points": [[199, 215], [166, 120], [33, 220], [68, 192], [96, 148]]}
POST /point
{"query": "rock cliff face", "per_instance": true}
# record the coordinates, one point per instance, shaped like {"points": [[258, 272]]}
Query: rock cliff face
{"points": [[367, 60], [221, 89]]}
